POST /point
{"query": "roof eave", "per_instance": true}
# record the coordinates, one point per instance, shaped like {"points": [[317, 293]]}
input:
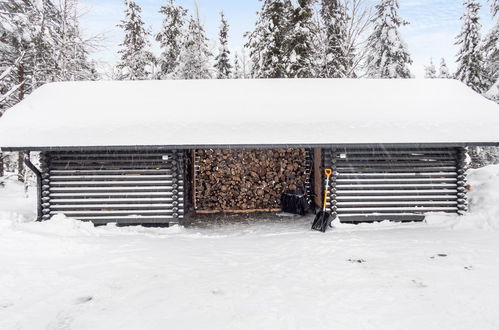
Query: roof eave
{"points": [[256, 146]]}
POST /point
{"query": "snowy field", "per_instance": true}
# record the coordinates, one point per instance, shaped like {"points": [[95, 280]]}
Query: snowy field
{"points": [[65, 274]]}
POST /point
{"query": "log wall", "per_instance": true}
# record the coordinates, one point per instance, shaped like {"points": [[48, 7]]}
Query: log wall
{"points": [[126, 187], [396, 184]]}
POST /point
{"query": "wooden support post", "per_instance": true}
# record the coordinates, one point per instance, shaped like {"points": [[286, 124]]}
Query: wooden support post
{"points": [[194, 182]]}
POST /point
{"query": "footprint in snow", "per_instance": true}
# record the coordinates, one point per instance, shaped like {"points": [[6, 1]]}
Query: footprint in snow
{"points": [[217, 292], [419, 284], [83, 300], [440, 255], [468, 267], [6, 304]]}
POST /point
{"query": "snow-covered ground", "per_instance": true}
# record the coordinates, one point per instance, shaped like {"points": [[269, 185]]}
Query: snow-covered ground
{"points": [[65, 274]]}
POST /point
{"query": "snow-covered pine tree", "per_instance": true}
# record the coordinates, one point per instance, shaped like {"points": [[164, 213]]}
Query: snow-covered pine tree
{"points": [[494, 7], [470, 61], [443, 72], [337, 61], [136, 59], [7, 92], [430, 71], [491, 53], [299, 41], [237, 74], [170, 38], [72, 48], [194, 59], [388, 54], [222, 65], [267, 43], [27, 27], [17, 36]]}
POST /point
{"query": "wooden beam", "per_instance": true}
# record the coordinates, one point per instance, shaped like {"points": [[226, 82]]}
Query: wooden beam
{"points": [[237, 211]]}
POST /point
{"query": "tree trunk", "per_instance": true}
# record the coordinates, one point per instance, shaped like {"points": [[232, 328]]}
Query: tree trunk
{"points": [[1, 165], [20, 159], [20, 167]]}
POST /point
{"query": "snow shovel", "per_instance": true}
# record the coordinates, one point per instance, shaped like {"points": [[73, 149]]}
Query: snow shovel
{"points": [[321, 220]]}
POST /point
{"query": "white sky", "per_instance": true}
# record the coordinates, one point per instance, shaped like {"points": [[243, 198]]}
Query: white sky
{"points": [[433, 27]]}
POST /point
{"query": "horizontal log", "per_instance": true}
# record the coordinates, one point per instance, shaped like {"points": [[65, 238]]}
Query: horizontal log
{"points": [[114, 207], [343, 175], [133, 213], [395, 180], [105, 172], [360, 198], [356, 218], [397, 209], [111, 178], [107, 195]]}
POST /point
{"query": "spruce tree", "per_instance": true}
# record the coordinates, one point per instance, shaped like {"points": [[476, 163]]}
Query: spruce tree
{"points": [[136, 58], [269, 51], [336, 62], [470, 61], [72, 49], [430, 71], [194, 59], [237, 68], [388, 54], [299, 41], [6, 93], [170, 38], [222, 65], [494, 7], [444, 70], [491, 53], [28, 28]]}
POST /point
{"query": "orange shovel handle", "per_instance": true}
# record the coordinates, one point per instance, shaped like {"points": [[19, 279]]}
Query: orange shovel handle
{"points": [[328, 172]]}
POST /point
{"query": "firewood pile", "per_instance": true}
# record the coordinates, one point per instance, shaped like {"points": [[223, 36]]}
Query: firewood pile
{"points": [[247, 180]]}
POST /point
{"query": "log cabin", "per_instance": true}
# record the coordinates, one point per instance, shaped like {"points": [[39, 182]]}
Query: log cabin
{"points": [[160, 152]]}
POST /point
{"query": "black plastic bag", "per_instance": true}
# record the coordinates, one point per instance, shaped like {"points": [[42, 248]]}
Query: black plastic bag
{"points": [[295, 202]]}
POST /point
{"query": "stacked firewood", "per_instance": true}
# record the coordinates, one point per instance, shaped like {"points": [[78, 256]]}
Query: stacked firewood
{"points": [[247, 180]]}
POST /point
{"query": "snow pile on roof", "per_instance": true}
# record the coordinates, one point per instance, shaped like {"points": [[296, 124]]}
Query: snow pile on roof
{"points": [[250, 112]]}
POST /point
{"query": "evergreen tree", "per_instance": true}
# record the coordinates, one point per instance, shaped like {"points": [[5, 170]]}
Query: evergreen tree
{"points": [[430, 71], [444, 71], [491, 53], [237, 68], [268, 42], [388, 55], [337, 61], [170, 38], [7, 91], [470, 58], [27, 28], [195, 56], [300, 41], [72, 49], [222, 64], [494, 7], [136, 59]]}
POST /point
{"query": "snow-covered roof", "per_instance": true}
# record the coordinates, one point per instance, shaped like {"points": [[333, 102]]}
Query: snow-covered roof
{"points": [[250, 112]]}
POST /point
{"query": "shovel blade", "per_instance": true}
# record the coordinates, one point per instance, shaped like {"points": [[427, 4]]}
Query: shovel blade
{"points": [[321, 221]]}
